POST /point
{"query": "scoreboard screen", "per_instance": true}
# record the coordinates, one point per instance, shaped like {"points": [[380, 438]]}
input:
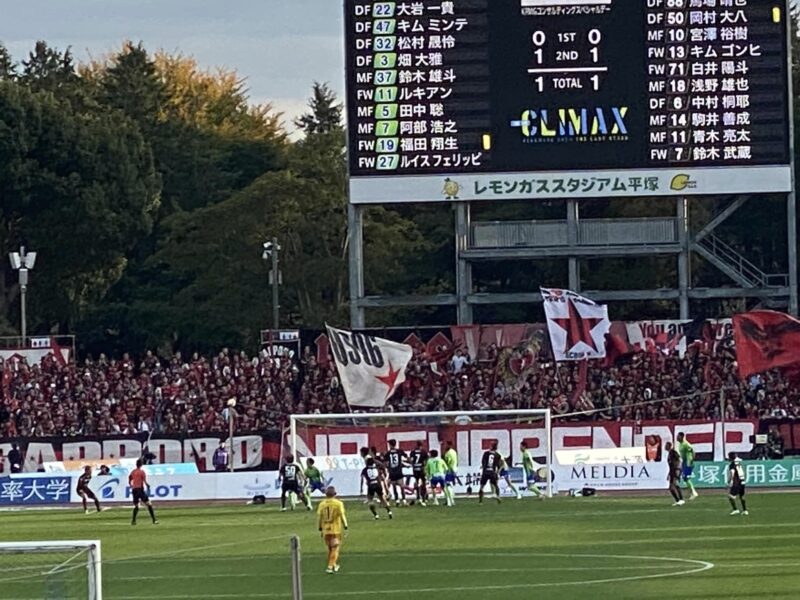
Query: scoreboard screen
{"points": [[509, 99]]}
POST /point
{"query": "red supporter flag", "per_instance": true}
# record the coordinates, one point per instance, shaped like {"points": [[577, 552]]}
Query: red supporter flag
{"points": [[766, 340], [617, 347]]}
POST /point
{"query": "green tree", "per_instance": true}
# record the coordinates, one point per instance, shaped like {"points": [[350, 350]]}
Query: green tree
{"points": [[78, 188], [206, 283], [8, 68], [325, 114], [49, 69]]}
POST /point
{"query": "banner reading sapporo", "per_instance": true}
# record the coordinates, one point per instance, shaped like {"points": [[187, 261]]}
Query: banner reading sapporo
{"points": [[758, 473]]}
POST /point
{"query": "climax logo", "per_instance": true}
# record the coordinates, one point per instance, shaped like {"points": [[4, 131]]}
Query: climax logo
{"points": [[572, 124], [107, 490], [681, 182]]}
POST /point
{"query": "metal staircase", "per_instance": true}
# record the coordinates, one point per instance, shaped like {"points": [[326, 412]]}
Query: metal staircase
{"points": [[734, 265]]}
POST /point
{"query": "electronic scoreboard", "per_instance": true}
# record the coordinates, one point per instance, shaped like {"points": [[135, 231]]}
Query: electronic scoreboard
{"points": [[511, 99]]}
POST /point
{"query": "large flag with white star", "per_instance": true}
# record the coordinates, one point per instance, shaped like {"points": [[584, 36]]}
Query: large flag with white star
{"points": [[577, 325], [370, 368]]}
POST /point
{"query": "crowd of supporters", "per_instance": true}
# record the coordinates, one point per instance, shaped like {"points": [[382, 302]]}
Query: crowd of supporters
{"points": [[185, 394]]}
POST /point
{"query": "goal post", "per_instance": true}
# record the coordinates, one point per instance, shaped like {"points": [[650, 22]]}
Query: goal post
{"points": [[50, 570], [470, 431]]}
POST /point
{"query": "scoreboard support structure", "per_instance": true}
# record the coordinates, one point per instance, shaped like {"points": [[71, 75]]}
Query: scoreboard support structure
{"points": [[668, 236], [475, 101]]}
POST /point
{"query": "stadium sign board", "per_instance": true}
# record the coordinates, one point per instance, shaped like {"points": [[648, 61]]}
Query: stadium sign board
{"points": [[27, 491], [758, 473], [482, 100]]}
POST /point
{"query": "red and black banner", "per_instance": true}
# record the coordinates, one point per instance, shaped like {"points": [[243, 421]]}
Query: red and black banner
{"points": [[766, 340]]}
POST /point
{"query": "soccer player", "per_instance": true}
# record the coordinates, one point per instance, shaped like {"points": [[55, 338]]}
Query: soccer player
{"points": [[504, 473], [419, 457], [332, 525], [314, 480], [490, 464], [380, 462], [686, 452], [290, 477], [373, 477], [84, 491], [137, 480], [737, 479], [674, 476], [530, 470], [436, 470], [451, 459], [396, 459]]}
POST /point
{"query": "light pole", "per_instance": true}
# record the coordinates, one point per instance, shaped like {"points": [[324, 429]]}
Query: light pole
{"points": [[270, 252], [232, 414], [23, 262]]}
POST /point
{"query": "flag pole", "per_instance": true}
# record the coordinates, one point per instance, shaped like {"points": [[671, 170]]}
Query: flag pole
{"points": [[722, 419]]}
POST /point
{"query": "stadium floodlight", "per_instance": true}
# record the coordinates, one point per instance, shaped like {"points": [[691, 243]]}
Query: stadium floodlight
{"points": [[52, 569], [270, 251], [470, 431], [22, 262]]}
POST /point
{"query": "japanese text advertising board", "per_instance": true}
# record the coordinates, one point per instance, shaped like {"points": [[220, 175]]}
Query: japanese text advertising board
{"points": [[519, 99]]}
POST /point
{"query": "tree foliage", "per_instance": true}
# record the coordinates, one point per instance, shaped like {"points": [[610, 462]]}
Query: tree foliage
{"points": [[147, 184], [78, 188]]}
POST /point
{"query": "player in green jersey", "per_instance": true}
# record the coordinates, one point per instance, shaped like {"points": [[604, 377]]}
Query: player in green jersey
{"points": [[529, 465], [451, 458], [686, 451], [436, 471], [313, 480]]}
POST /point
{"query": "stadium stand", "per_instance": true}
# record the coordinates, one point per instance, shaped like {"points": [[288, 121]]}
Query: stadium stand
{"points": [[186, 394]]}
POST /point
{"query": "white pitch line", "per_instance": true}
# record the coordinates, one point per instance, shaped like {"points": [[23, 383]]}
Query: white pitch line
{"points": [[758, 565], [205, 596], [739, 525], [193, 549], [419, 572], [722, 538], [698, 566]]}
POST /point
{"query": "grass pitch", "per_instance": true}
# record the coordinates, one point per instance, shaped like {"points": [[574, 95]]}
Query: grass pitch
{"points": [[603, 547]]}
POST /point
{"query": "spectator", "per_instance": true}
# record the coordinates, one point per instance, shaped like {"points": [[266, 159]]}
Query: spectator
{"points": [[15, 459], [775, 443], [220, 458], [189, 393], [458, 362]]}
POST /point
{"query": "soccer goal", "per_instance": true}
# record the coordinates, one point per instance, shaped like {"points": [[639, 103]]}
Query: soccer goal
{"points": [[339, 437], [50, 570]]}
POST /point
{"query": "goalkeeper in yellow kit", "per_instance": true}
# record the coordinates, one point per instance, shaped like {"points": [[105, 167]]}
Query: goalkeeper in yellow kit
{"points": [[332, 525]]}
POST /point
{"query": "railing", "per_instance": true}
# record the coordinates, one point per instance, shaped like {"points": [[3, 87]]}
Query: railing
{"points": [[748, 273], [590, 232]]}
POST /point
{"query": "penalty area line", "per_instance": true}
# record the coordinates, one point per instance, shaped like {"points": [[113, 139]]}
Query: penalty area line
{"points": [[696, 566], [412, 572]]}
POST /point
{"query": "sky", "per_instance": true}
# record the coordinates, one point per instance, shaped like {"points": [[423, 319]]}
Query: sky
{"points": [[279, 46]]}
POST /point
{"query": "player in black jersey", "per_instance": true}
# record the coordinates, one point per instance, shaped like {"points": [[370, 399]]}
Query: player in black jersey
{"points": [[372, 476], [490, 467], [291, 476], [736, 477], [674, 476], [418, 458], [84, 491], [395, 461], [380, 462]]}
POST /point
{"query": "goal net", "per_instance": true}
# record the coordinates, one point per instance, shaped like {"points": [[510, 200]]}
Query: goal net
{"points": [[63, 570], [335, 441]]}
